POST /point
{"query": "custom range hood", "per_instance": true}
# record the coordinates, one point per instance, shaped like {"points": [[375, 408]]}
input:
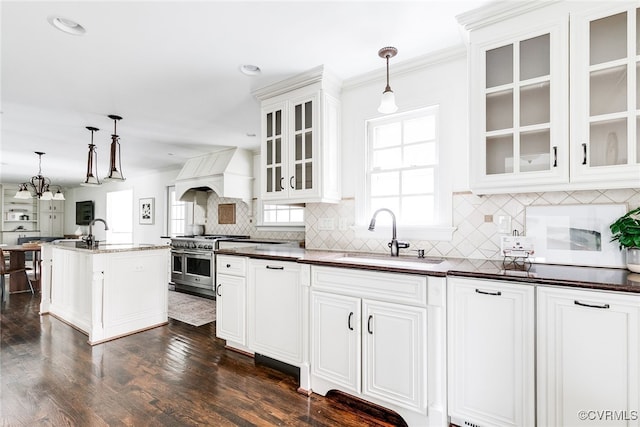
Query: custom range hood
{"points": [[229, 173]]}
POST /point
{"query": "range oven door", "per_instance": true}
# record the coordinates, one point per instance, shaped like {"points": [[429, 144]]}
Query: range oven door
{"points": [[177, 266], [198, 269]]}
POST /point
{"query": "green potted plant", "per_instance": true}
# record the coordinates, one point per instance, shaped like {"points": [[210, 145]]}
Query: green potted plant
{"points": [[626, 231]]}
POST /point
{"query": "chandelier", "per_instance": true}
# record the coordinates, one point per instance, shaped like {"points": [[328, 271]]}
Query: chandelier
{"points": [[39, 185]]}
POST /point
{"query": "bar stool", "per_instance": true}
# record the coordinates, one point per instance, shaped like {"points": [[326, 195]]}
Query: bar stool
{"points": [[5, 271]]}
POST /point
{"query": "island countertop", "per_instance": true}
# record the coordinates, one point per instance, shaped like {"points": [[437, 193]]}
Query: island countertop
{"points": [[76, 245]]}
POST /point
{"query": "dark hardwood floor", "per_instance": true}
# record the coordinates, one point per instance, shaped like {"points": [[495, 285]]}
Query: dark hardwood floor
{"points": [[175, 375]]}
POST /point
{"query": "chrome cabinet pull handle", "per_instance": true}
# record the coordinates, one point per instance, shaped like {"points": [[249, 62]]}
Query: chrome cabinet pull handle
{"points": [[555, 157], [496, 294], [583, 304], [584, 153], [218, 291], [275, 267], [349, 321], [369, 324]]}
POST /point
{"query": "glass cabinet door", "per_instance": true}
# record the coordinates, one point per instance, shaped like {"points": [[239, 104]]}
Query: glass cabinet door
{"points": [[274, 161], [518, 107], [610, 111], [303, 130]]}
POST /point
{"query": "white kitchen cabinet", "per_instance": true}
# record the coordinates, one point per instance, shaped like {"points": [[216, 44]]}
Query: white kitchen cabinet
{"points": [[587, 357], [523, 137], [300, 140], [336, 339], [277, 310], [372, 334], [231, 301], [491, 335], [605, 122], [519, 98], [51, 217]]}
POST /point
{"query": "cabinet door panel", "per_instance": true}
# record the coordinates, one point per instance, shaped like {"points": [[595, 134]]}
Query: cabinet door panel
{"points": [[275, 310], [335, 339], [230, 308], [605, 96], [491, 352], [588, 349], [394, 341]]}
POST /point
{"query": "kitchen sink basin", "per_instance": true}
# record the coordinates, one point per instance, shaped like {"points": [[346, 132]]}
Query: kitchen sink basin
{"points": [[390, 261]]}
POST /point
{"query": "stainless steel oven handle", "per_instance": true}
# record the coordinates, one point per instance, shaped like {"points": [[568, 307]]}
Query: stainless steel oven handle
{"points": [[202, 254]]}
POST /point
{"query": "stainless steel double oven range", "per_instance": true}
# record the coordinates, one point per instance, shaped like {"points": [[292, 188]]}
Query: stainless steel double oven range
{"points": [[193, 267]]}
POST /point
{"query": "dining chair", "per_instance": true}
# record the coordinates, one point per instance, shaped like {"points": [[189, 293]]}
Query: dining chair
{"points": [[6, 271]]}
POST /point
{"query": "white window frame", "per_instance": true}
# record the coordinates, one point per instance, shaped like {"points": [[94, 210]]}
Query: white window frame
{"points": [[442, 228], [188, 213], [277, 226]]}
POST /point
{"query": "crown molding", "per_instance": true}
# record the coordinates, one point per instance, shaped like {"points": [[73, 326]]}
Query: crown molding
{"points": [[315, 75], [407, 67], [499, 11]]}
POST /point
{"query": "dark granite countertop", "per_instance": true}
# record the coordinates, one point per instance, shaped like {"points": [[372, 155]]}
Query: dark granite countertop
{"points": [[611, 279]]}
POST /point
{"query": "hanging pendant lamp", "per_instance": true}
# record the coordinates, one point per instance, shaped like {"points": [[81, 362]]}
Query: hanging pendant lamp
{"points": [[92, 162], [115, 164], [388, 101]]}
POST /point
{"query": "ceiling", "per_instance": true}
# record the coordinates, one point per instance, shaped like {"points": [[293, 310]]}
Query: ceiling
{"points": [[171, 70]]}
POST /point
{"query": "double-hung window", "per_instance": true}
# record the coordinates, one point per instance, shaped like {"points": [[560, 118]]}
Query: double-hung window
{"points": [[403, 172], [402, 168]]}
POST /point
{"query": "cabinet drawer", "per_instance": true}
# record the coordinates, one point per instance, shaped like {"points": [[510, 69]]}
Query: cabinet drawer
{"points": [[391, 287], [232, 265]]}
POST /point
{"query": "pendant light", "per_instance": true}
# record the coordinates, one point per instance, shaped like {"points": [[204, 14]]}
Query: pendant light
{"points": [[92, 162], [39, 184], [388, 101], [115, 171]]}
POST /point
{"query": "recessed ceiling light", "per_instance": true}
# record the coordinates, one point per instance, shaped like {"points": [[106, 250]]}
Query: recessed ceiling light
{"points": [[66, 25], [251, 134], [250, 70]]}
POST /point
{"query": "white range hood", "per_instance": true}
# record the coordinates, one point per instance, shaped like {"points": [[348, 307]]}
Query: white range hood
{"points": [[229, 173]]}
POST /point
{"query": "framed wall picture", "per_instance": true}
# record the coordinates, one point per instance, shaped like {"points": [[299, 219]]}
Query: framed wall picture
{"points": [[575, 234], [147, 210]]}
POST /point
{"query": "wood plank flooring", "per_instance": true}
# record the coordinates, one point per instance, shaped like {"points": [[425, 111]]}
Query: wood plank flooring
{"points": [[174, 375]]}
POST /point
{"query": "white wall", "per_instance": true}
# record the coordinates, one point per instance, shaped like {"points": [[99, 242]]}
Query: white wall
{"points": [[154, 185], [416, 85]]}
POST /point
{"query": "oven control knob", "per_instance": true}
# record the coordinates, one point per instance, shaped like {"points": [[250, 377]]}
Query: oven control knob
{"points": [[208, 246]]}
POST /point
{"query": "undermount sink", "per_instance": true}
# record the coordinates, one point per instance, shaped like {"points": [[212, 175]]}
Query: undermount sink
{"points": [[388, 260]]}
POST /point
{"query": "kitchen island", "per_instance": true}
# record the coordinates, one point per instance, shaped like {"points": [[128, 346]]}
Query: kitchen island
{"points": [[106, 292]]}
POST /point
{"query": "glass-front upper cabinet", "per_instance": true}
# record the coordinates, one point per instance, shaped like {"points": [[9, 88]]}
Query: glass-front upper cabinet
{"points": [[303, 129], [606, 94], [273, 149], [518, 115]]}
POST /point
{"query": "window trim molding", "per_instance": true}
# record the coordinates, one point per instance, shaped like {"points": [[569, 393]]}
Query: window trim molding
{"points": [[262, 226], [427, 232], [443, 230]]}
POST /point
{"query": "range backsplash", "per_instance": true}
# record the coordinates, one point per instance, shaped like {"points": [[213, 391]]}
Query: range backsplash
{"points": [[474, 237], [245, 222]]}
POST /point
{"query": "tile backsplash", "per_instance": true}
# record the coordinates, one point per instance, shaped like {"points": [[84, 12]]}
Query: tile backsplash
{"points": [[474, 217], [476, 235], [245, 221]]}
